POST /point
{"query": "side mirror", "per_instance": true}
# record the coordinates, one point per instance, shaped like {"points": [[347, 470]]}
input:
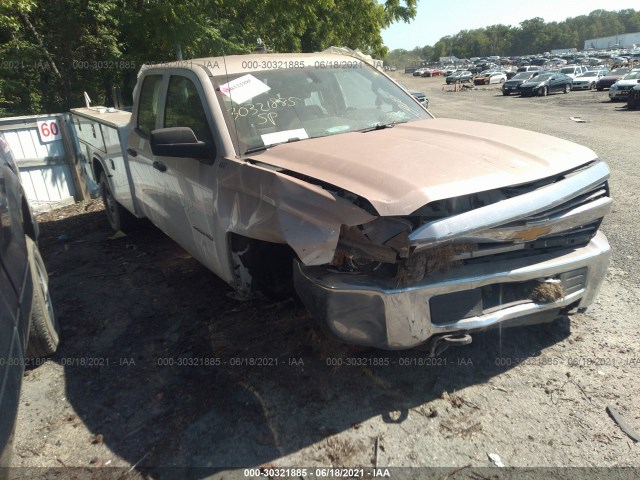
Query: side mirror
{"points": [[180, 142]]}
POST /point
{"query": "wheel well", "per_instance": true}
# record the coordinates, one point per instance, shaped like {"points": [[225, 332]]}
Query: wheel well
{"points": [[27, 220], [263, 266], [98, 169]]}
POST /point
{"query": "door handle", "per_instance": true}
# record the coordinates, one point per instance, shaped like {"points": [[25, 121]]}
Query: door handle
{"points": [[132, 152], [159, 166]]}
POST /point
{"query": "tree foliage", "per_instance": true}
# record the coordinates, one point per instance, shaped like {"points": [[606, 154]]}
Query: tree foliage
{"points": [[531, 36], [52, 51]]}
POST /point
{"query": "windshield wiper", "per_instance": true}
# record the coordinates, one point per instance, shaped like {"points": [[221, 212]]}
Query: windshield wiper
{"points": [[379, 126]]}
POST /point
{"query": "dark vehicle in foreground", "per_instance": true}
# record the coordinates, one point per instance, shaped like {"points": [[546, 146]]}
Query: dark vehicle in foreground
{"points": [[511, 86], [611, 78], [27, 324], [633, 99], [546, 83]]}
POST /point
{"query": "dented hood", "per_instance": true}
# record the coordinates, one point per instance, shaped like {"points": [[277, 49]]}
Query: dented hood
{"points": [[402, 168]]}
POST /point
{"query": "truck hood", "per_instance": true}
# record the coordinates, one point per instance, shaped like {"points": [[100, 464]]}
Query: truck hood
{"points": [[400, 169]]}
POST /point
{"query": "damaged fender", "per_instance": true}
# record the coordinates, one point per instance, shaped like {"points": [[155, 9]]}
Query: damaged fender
{"points": [[260, 202]]}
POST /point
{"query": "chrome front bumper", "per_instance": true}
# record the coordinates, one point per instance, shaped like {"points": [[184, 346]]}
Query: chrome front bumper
{"points": [[364, 311]]}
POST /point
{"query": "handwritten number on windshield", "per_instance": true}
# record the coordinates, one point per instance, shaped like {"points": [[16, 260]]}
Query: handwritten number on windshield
{"points": [[259, 108]]}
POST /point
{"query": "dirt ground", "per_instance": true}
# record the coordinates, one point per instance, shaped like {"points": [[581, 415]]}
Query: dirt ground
{"points": [[163, 374]]}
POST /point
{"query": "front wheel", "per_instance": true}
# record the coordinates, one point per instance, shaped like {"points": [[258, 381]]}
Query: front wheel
{"points": [[542, 91], [567, 88], [592, 86], [632, 103], [44, 330], [119, 217], [505, 93]]}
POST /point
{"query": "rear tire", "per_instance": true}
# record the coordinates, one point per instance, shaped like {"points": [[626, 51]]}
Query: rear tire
{"points": [[119, 217], [44, 331]]}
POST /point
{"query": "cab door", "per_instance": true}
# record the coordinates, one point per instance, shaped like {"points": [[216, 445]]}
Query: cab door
{"points": [[189, 184]]}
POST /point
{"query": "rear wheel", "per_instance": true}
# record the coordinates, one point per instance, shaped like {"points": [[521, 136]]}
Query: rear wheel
{"points": [[119, 217], [44, 331]]}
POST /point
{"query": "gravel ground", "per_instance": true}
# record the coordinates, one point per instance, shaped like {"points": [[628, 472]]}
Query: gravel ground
{"points": [[154, 373]]}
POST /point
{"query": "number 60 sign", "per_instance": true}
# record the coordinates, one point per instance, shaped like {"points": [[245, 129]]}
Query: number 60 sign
{"points": [[48, 129]]}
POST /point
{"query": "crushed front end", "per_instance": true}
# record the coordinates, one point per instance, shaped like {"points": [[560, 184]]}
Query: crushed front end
{"points": [[510, 256]]}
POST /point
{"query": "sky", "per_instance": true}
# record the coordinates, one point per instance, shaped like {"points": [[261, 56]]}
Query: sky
{"points": [[438, 18]]}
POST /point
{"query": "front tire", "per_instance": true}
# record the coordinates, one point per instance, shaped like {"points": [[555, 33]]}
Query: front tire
{"points": [[542, 92], [119, 217], [44, 331], [567, 88]]}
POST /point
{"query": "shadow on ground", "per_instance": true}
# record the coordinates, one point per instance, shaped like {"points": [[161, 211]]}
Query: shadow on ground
{"points": [[162, 363]]}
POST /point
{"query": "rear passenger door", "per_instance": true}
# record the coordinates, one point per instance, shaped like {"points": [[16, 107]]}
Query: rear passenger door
{"points": [[147, 117]]}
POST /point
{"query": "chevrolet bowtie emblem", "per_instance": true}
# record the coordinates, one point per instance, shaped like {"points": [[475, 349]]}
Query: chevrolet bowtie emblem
{"points": [[531, 234]]}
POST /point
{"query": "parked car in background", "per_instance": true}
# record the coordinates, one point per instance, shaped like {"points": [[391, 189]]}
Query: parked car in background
{"points": [[612, 77], [545, 83], [633, 99], [529, 68], [588, 80], [418, 72], [460, 77], [490, 76], [421, 97], [435, 72], [28, 327], [511, 86], [573, 71], [620, 89]]}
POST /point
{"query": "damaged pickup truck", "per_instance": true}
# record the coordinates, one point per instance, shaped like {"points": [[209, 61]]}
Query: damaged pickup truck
{"points": [[318, 172]]}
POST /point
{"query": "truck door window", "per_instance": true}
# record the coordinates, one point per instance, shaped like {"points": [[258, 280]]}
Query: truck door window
{"points": [[184, 108], [148, 104]]}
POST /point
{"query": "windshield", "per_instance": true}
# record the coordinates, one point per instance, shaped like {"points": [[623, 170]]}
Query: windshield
{"points": [[277, 106], [567, 70], [522, 76], [631, 76], [588, 74], [543, 77]]}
